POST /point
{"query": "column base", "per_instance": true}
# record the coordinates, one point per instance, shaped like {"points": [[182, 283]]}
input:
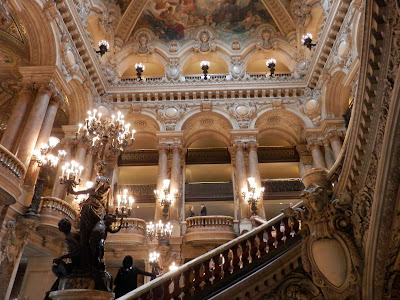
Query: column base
{"points": [[80, 294]]}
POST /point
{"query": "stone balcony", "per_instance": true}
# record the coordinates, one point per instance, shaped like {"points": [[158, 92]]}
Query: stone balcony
{"points": [[214, 230], [12, 172], [51, 211], [133, 233]]}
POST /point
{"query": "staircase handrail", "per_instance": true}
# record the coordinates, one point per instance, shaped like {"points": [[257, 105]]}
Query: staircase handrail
{"points": [[168, 277]]}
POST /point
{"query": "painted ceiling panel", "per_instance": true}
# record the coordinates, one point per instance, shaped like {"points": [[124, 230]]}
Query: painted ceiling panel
{"points": [[179, 19]]}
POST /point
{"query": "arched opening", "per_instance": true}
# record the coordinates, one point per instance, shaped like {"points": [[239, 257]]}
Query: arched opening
{"points": [[217, 64]]}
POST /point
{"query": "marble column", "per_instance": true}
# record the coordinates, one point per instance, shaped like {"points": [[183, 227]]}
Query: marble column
{"points": [[43, 138], [162, 174], [305, 162], [33, 125], [329, 156], [88, 166], [241, 179], [10, 136], [336, 144], [255, 173], [316, 153], [176, 183]]}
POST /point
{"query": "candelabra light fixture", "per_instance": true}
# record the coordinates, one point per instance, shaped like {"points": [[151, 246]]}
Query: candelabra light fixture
{"points": [[44, 155], [271, 64], [159, 231], [103, 47], [124, 204], [165, 197], [251, 195], [205, 65], [307, 41], [71, 173], [47, 161], [104, 133], [139, 67]]}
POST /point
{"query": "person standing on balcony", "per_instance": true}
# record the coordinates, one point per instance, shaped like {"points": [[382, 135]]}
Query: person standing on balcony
{"points": [[203, 211], [126, 279], [191, 212]]}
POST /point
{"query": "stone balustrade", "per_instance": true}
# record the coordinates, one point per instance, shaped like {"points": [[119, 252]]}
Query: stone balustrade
{"points": [[132, 233], [12, 173], [51, 206], [12, 163], [209, 229], [197, 278]]}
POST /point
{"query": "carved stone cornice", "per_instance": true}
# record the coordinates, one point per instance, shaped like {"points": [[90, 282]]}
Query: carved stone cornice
{"points": [[49, 76]]}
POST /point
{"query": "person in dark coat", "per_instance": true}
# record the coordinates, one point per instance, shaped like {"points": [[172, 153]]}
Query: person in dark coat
{"points": [[203, 211], [126, 279]]}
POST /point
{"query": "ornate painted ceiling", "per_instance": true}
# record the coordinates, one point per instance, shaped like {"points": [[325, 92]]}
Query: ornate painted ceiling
{"points": [[179, 19]]}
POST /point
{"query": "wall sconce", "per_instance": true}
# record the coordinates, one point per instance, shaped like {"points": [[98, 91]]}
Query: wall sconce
{"points": [[165, 197], [251, 195], [160, 231], [271, 63], [124, 205], [205, 65], [307, 41], [139, 70], [103, 46]]}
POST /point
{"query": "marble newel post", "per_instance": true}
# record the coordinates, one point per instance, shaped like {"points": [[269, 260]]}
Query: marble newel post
{"points": [[176, 182], [255, 173], [162, 174], [10, 136], [33, 125], [240, 180], [316, 153]]}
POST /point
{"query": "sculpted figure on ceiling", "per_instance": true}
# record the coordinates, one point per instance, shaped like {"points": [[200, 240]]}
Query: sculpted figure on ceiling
{"points": [[204, 38], [143, 42]]}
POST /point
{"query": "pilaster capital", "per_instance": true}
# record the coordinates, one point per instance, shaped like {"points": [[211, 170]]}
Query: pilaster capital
{"points": [[238, 145], [326, 143], [252, 146], [313, 143], [334, 135]]}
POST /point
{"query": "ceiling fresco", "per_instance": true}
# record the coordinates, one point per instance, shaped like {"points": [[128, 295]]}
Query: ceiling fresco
{"points": [[179, 19], [123, 4]]}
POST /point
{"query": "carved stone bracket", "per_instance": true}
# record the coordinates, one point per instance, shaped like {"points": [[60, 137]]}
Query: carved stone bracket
{"points": [[329, 253]]}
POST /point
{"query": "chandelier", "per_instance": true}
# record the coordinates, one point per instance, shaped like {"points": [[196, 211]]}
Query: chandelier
{"points": [[251, 195], [124, 204], [159, 231], [44, 155], [165, 197], [107, 136]]}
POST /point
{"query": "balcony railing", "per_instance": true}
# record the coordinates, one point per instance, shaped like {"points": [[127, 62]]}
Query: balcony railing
{"points": [[133, 232], [219, 266], [209, 156], [51, 206], [209, 229], [282, 185], [11, 163]]}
